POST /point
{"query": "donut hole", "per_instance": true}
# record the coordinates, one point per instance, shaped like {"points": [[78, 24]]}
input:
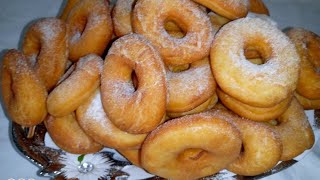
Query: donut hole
{"points": [[179, 68], [134, 79], [257, 51], [174, 30], [192, 154]]}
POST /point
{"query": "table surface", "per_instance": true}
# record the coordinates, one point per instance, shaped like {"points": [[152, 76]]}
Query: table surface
{"points": [[16, 15]]}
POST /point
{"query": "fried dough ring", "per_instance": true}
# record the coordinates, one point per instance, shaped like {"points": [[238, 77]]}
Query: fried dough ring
{"points": [[67, 134], [144, 107], [295, 131], [228, 8], [257, 85], [45, 46], [262, 146], [68, 7], [257, 6], [24, 95], [197, 145], [190, 88], [308, 47], [75, 90], [149, 19], [94, 121], [308, 104], [251, 112], [90, 27]]}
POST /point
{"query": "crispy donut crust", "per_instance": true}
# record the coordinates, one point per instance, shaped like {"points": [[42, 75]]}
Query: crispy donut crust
{"points": [[204, 141], [77, 88], [257, 85], [262, 146], [24, 95], [91, 29], [68, 135], [45, 46], [295, 131], [190, 88], [307, 104], [149, 19], [227, 8], [308, 47], [68, 7], [257, 6], [94, 121], [251, 112], [208, 104], [144, 107]]}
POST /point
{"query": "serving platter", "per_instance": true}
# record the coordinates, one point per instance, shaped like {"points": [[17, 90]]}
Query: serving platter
{"points": [[47, 158]]}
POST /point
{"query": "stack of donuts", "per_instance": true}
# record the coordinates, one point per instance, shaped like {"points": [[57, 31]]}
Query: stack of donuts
{"points": [[173, 85]]}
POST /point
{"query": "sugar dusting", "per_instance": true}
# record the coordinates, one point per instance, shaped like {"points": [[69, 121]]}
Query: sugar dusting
{"points": [[95, 110]]}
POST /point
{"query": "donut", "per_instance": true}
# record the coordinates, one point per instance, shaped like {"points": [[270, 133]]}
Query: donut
{"points": [[295, 131], [90, 27], [217, 21], [77, 88], [262, 85], [261, 146], [308, 47], [94, 121], [189, 88], [67, 135], [251, 112], [197, 145], [228, 8], [45, 46], [148, 19], [306, 103], [257, 6], [24, 95], [67, 8], [208, 104], [121, 17], [144, 105], [132, 155]]}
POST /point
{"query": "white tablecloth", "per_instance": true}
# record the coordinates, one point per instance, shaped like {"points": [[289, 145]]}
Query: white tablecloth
{"points": [[15, 15]]}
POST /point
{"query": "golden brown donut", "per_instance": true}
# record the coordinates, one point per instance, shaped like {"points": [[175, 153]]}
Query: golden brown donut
{"points": [[68, 7], [257, 85], [228, 8], [45, 46], [189, 88], [261, 145], [132, 155], [67, 134], [94, 121], [208, 104], [257, 6], [251, 112], [24, 95], [145, 106], [148, 20], [197, 145], [308, 47], [295, 131], [77, 88], [308, 104], [90, 26]]}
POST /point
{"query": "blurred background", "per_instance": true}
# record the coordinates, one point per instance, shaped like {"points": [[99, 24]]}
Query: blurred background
{"points": [[15, 15]]}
